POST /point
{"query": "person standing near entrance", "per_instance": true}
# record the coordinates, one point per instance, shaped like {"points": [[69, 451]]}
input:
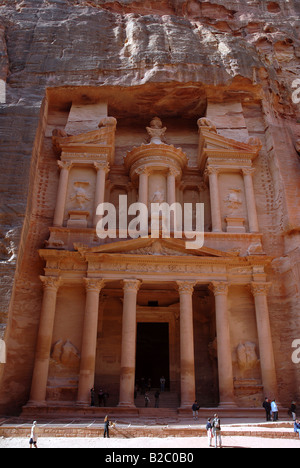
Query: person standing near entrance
{"points": [[267, 406], [162, 384], [274, 409], [217, 431], [156, 396]]}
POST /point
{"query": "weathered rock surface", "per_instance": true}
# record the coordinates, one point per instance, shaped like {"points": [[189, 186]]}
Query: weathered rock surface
{"points": [[239, 50]]}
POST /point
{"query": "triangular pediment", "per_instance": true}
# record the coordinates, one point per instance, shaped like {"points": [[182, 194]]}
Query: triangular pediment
{"points": [[154, 247], [102, 137], [213, 145]]}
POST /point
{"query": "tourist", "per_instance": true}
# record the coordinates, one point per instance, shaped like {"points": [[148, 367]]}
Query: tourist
{"points": [[267, 406], [162, 384], [209, 432], [92, 396], [156, 396], [274, 410], [33, 435], [100, 397], [217, 430], [293, 410], [195, 409], [147, 400], [106, 427], [297, 427]]}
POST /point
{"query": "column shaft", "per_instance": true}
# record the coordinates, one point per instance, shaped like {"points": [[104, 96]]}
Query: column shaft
{"points": [[215, 200], [250, 199], [61, 193], [225, 369], [143, 187], [89, 341], [128, 356], [102, 170], [44, 341], [267, 361], [187, 354]]}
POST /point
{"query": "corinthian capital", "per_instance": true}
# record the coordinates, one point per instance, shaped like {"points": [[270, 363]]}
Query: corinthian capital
{"points": [[94, 284], [219, 288], [260, 289], [51, 282], [131, 285], [186, 287]]}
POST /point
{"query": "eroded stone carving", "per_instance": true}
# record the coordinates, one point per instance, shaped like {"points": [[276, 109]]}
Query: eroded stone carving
{"points": [[66, 354], [247, 357], [208, 124], [80, 196]]}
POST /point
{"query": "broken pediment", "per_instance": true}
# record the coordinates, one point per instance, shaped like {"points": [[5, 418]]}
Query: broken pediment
{"points": [[153, 247], [213, 146], [94, 142]]}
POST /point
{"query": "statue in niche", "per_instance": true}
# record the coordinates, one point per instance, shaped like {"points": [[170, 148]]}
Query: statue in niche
{"points": [[80, 196], [247, 357], [297, 146], [158, 197], [156, 131]]}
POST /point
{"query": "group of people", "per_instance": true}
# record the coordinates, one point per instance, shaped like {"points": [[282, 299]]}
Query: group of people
{"points": [[102, 397], [271, 409], [213, 428]]}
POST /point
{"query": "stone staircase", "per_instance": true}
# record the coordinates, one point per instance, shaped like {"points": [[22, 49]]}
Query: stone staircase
{"points": [[167, 400]]}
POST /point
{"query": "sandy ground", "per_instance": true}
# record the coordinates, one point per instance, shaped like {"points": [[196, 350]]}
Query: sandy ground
{"points": [[150, 443]]}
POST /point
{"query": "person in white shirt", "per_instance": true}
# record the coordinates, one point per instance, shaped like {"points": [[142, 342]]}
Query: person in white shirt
{"points": [[33, 436], [274, 409]]}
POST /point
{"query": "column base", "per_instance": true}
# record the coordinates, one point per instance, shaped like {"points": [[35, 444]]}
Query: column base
{"points": [[125, 404], [36, 404], [227, 405]]}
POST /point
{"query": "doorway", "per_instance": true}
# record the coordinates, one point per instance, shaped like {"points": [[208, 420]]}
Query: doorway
{"points": [[152, 353]]}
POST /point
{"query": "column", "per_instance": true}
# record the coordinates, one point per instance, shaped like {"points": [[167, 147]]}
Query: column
{"points": [[187, 354], [143, 185], [128, 356], [214, 199], [171, 186], [61, 192], [44, 341], [250, 199], [102, 170], [267, 361], [89, 340], [225, 369]]}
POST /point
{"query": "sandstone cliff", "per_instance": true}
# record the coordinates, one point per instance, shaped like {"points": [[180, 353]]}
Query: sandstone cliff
{"points": [[244, 50]]}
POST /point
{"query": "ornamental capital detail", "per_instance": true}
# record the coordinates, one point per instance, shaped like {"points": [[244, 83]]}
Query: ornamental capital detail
{"points": [[131, 285], [93, 284], [260, 289], [186, 287], [51, 282], [219, 288]]}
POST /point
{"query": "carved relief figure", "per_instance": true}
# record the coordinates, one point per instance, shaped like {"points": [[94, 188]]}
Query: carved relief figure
{"points": [[233, 199], [247, 357], [208, 124], [80, 196]]}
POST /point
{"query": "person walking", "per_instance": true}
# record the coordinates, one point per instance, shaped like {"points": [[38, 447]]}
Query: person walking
{"points": [[33, 435], [267, 406], [217, 431], [209, 432], [274, 410], [106, 427]]}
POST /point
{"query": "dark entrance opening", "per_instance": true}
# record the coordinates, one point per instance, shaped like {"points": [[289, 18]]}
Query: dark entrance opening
{"points": [[152, 353]]}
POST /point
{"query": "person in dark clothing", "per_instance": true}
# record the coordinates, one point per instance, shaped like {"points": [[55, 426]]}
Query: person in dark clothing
{"points": [[267, 406], [106, 427], [92, 396], [156, 396]]}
